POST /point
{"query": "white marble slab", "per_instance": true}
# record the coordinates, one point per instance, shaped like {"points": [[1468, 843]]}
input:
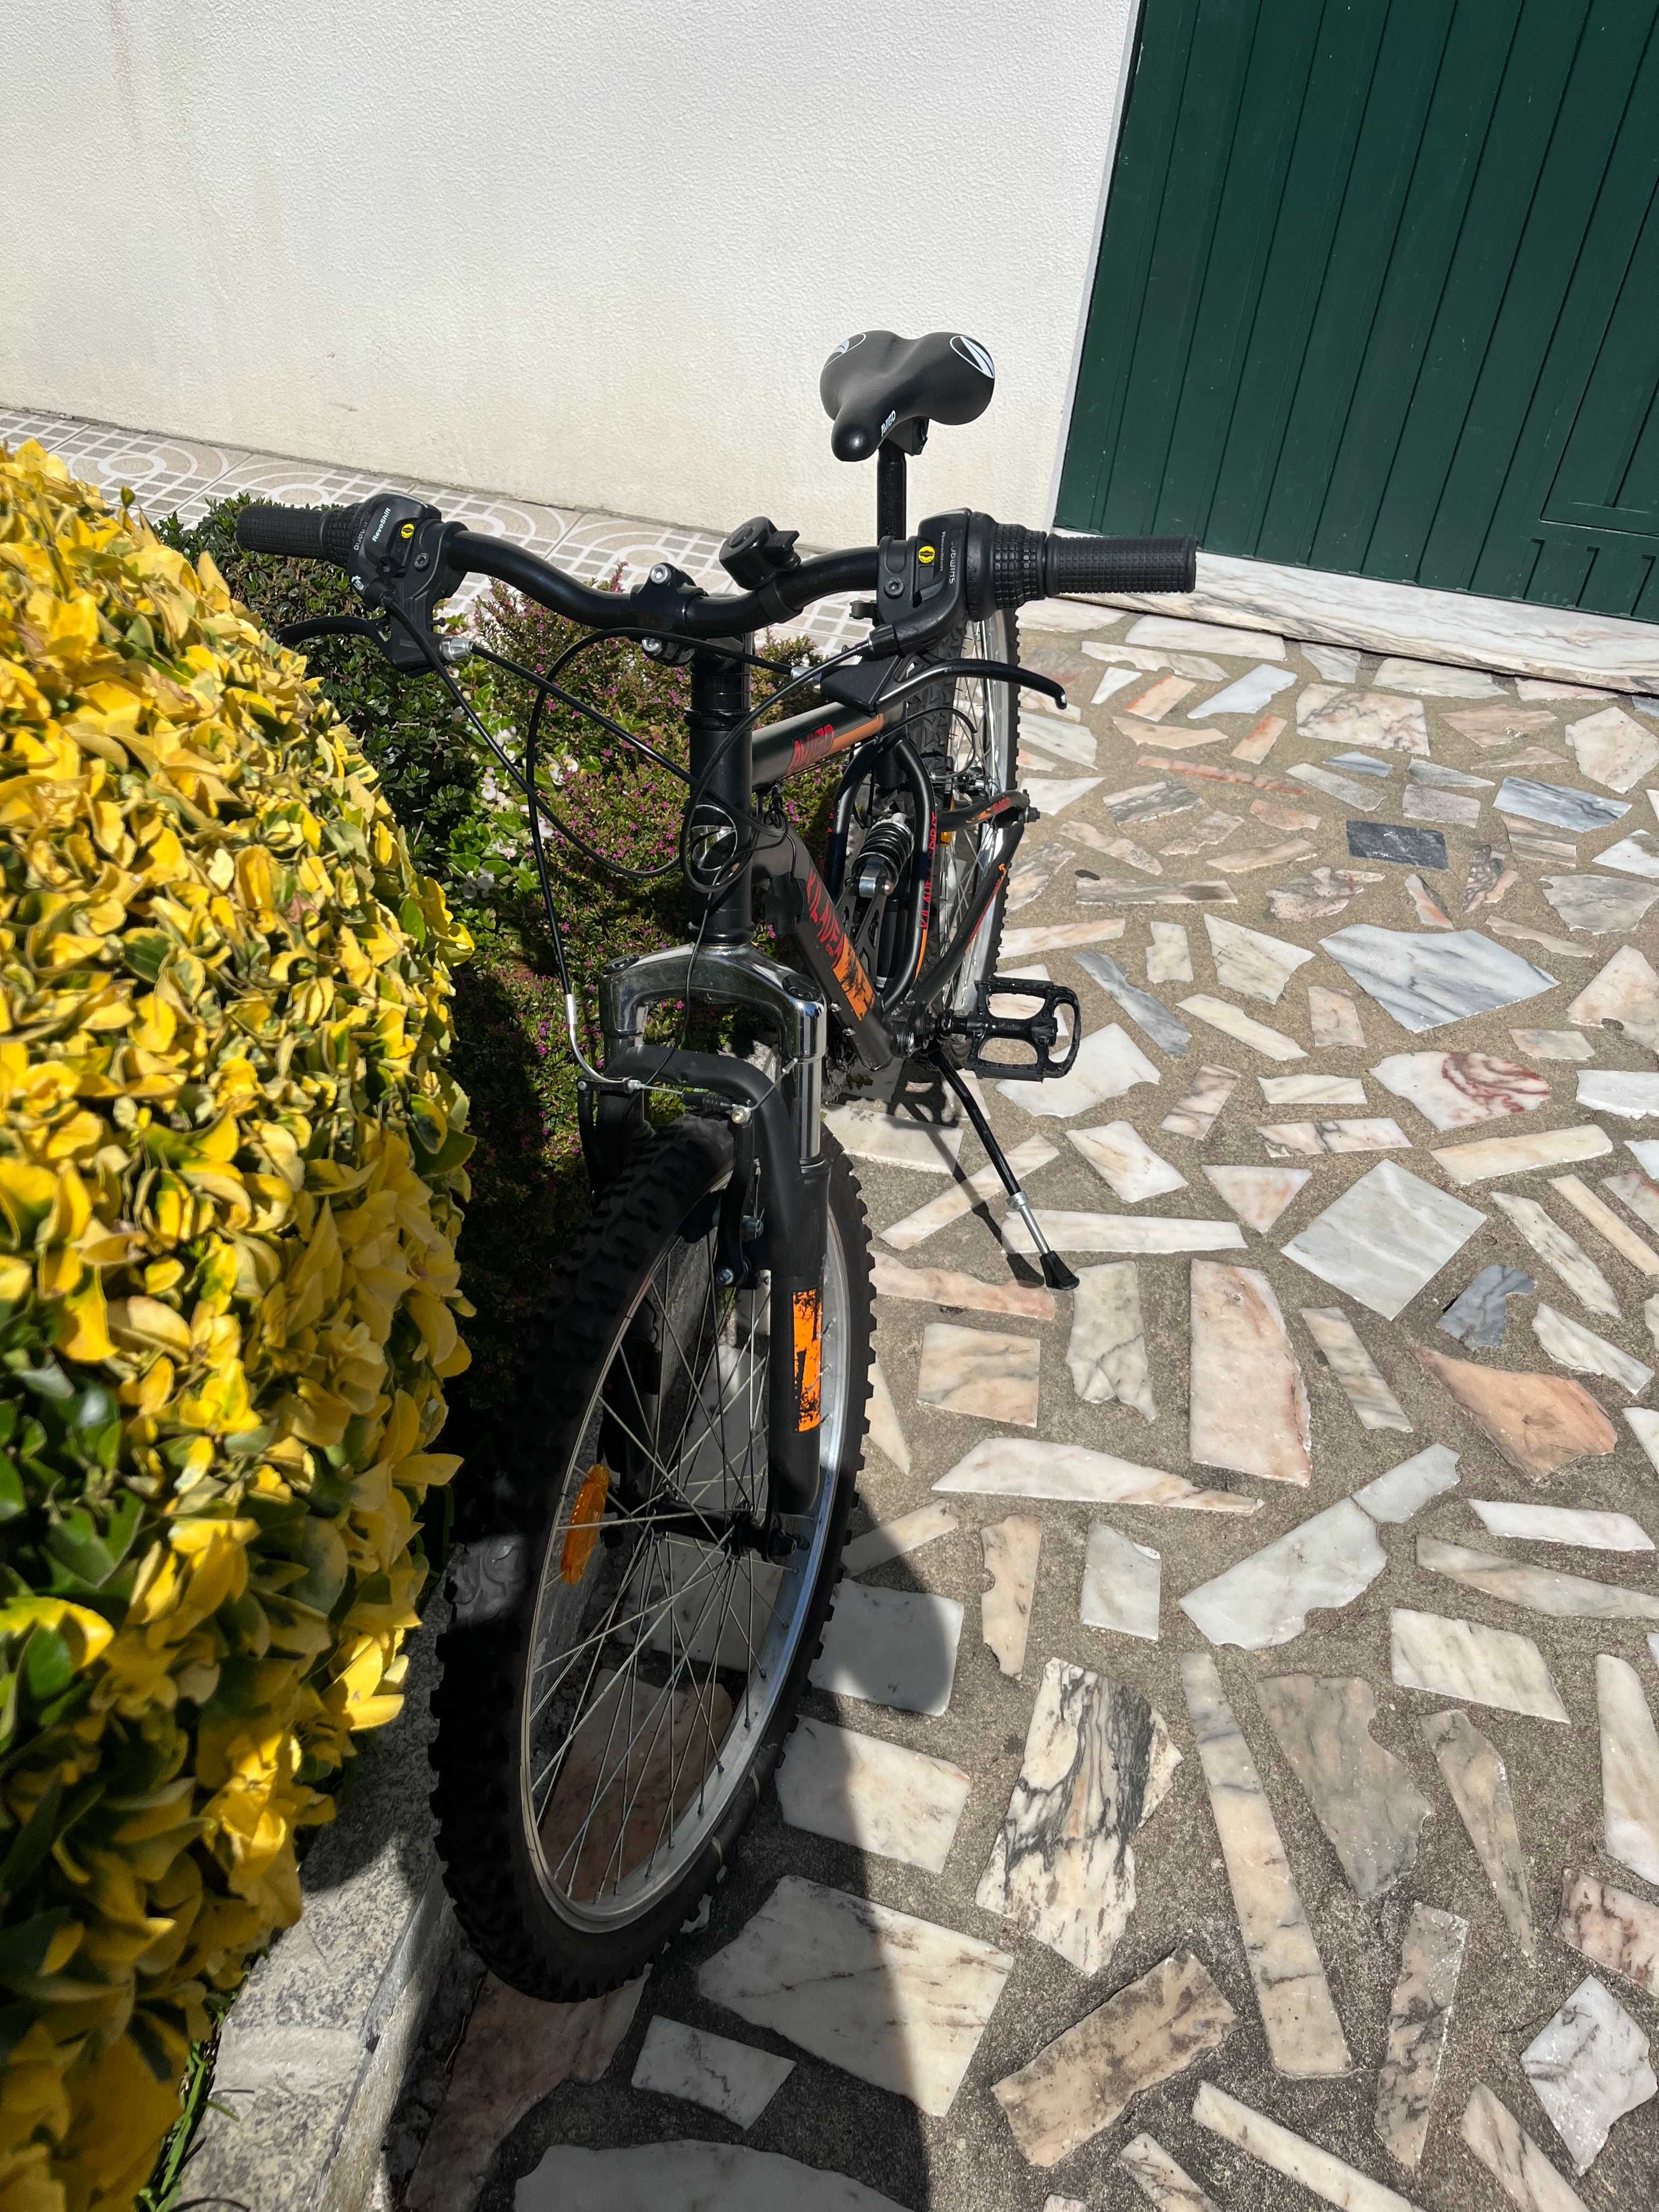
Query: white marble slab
{"points": [[1112, 682], [1539, 1590], [962, 1197], [1513, 2159], [1067, 741], [1106, 1355], [1572, 1344], [1425, 981], [1559, 948], [1635, 855], [1478, 1783], [868, 1132], [1304, 1140], [1615, 1930], [878, 1796], [733, 2079], [1645, 1425], [1169, 955], [1165, 2185], [896, 1539], [1314, 1090], [1456, 1090], [1419, 2022], [894, 1648], [1630, 1768], [1098, 1762], [1363, 1796], [1336, 716], [1172, 630], [1618, 1090], [1233, 1022], [1588, 2067], [1246, 694], [1118, 1152], [1481, 1665], [1335, 1019], [1433, 679], [1123, 1232], [1384, 1239], [1324, 1562], [1607, 1225], [1248, 1404], [1543, 1148], [1338, 787], [1524, 1523], [886, 1432], [1110, 890], [979, 1371], [1292, 2156], [950, 1286], [1258, 1195], [1601, 905], [1080, 2082], [1195, 1112], [1122, 1582], [1304, 2034], [1363, 1382], [1035, 871], [1336, 664], [1624, 995], [896, 2001], [1612, 748], [1012, 1548], [1024, 1467], [1248, 961], [1053, 794], [1108, 1064], [1564, 1254], [1552, 1044], [686, 2177], [1059, 936]]}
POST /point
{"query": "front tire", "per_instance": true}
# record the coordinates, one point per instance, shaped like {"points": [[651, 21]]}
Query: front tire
{"points": [[615, 1695]]}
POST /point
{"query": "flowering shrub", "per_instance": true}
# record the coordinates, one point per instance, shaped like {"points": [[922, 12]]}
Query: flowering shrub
{"points": [[230, 1164]]}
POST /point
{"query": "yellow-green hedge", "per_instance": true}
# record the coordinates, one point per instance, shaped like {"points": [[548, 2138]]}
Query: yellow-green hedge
{"points": [[230, 1164]]}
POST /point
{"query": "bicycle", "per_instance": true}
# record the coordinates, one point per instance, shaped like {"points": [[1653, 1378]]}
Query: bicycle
{"points": [[640, 1594]]}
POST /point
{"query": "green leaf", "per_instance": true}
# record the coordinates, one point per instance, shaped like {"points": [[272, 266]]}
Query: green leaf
{"points": [[31, 1845], [48, 1664], [24, 1948], [14, 1499], [145, 950]]}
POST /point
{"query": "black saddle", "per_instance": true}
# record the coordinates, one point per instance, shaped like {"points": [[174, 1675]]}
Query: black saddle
{"points": [[877, 387]]}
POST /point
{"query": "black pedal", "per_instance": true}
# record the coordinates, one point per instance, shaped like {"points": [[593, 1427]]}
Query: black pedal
{"points": [[1039, 1032]]}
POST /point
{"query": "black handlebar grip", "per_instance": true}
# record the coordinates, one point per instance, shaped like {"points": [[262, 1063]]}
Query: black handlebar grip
{"points": [[302, 533], [1120, 564]]}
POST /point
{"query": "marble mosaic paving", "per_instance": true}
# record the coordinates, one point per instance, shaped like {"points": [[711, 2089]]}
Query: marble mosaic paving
{"points": [[1233, 1778]]}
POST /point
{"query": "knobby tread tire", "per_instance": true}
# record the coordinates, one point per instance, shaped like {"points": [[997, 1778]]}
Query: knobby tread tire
{"points": [[507, 1516]]}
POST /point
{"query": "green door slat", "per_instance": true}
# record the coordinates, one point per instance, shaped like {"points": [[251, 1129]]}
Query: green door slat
{"points": [[1375, 294], [1467, 310]]}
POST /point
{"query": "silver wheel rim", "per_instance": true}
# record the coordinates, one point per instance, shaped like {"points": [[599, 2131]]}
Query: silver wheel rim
{"points": [[984, 745], [655, 1676]]}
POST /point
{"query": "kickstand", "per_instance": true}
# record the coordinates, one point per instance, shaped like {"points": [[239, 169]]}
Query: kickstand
{"points": [[1055, 1272]]}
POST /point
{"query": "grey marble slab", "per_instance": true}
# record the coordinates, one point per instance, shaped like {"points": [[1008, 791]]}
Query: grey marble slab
{"points": [[1588, 2067], [1558, 805], [893, 1999], [1386, 1237], [1098, 1762], [1479, 1315], [1363, 1796], [1396, 841], [1424, 803], [1304, 2034], [1440, 778], [1478, 1783], [1363, 764], [1150, 1014], [1425, 981], [1419, 2022]]}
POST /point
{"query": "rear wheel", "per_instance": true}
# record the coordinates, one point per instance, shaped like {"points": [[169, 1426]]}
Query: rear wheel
{"points": [[972, 747], [623, 1667]]}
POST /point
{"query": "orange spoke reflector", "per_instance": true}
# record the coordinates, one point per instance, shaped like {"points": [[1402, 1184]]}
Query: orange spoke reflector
{"points": [[585, 1519], [809, 1357]]}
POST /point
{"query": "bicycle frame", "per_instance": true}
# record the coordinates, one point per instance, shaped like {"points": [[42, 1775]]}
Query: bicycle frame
{"points": [[779, 1122]]}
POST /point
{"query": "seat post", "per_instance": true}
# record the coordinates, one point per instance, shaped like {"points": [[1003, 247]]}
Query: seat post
{"points": [[889, 489]]}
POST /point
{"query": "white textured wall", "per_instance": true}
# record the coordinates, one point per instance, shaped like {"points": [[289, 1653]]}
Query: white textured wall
{"points": [[593, 251]]}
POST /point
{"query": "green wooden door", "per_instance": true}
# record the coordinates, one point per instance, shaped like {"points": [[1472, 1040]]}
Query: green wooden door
{"points": [[1379, 292]]}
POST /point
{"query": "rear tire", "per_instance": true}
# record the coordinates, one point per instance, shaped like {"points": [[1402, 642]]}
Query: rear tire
{"points": [[974, 738], [527, 1866]]}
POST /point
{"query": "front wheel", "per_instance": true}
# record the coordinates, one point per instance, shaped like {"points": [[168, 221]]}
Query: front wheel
{"points": [[623, 1667]]}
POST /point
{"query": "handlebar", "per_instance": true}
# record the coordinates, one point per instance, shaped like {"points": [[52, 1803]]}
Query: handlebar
{"points": [[392, 547]]}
